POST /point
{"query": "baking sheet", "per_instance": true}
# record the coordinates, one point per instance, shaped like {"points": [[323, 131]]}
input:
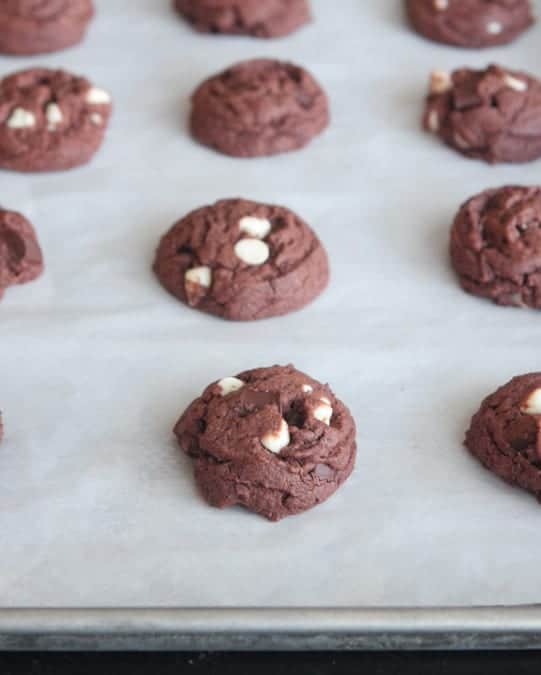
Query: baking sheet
{"points": [[97, 505]]}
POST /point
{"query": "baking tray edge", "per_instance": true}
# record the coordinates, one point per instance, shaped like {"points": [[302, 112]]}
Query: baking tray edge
{"points": [[270, 629]]}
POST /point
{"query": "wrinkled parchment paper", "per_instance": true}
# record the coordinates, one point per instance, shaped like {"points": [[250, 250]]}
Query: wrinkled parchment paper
{"points": [[97, 505]]}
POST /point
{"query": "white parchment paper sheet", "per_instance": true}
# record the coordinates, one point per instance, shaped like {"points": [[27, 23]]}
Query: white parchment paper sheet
{"points": [[97, 505]]}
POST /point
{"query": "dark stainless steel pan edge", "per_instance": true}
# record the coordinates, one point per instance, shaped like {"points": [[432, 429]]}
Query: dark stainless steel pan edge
{"points": [[271, 629]]}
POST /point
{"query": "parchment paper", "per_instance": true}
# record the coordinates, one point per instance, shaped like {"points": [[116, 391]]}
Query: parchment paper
{"points": [[97, 505]]}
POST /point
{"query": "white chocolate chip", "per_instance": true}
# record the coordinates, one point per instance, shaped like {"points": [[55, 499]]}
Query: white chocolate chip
{"points": [[96, 119], [440, 81], [434, 121], [441, 5], [275, 441], [461, 142], [54, 115], [515, 83], [96, 96], [494, 27], [324, 411], [21, 119], [230, 384], [532, 405], [252, 251], [307, 389], [202, 276], [258, 228]]}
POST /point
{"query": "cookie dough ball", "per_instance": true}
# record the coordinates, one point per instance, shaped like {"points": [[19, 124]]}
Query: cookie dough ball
{"points": [[20, 255], [260, 107], [470, 23], [50, 120], [39, 26], [496, 245], [259, 18], [492, 114], [272, 439], [242, 260], [505, 435]]}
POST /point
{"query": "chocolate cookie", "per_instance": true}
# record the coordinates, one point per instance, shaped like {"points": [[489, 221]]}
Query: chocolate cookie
{"points": [[496, 245], [20, 254], [470, 23], [505, 435], [259, 107], [241, 260], [50, 120], [272, 439], [260, 18], [492, 114], [39, 26]]}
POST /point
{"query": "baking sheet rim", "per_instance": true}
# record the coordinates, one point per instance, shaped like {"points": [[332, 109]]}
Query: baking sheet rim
{"points": [[271, 629]]}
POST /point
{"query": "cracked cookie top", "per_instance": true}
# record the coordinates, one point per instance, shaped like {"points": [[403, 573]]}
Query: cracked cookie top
{"points": [[259, 107], [492, 114], [272, 439], [496, 245], [267, 19], [242, 260]]}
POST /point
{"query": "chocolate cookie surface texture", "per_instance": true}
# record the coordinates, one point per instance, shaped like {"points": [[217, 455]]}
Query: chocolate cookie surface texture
{"points": [[492, 114], [21, 259], [470, 23], [257, 108], [50, 120], [39, 26], [271, 439], [258, 18], [496, 246], [242, 260], [505, 434]]}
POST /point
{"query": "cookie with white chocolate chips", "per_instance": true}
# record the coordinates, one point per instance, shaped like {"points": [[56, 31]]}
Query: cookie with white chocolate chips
{"points": [[505, 434], [242, 260], [492, 114], [50, 120], [470, 23], [271, 439]]}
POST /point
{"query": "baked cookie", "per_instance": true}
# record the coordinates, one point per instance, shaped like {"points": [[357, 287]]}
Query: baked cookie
{"points": [[20, 255], [259, 18], [39, 26], [505, 435], [492, 114], [242, 260], [496, 245], [259, 107], [470, 23], [272, 439], [50, 120]]}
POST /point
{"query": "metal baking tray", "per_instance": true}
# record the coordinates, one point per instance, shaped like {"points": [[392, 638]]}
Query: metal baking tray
{"points": [[271, 629], [98, 509]]}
